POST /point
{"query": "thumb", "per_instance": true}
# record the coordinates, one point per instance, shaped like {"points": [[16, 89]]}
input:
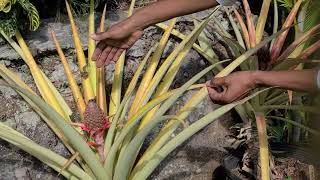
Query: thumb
{"points": [[100, 36], [214, 95], [221, 81]]}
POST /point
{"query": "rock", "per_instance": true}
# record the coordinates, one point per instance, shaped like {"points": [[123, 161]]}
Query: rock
{"points": [[137, 50], [56, 75], [231, 162], [7, 92], [21, 173], [6, 52], [169, 48], [27, 123], [109, 71], [16, 164]]}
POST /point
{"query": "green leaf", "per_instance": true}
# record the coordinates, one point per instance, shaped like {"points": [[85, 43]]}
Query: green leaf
{"points": [[287, 64], [59, 97], [11, 78], [235, 28], [45, 155], [237, 51], [286, 3], [232, 66], [171, 126], [75, 139], [129, 157], [292, 107], [109, 162], [311, 19], [179, 52], [281, 99], [205, 44], [295, 124], [124, 102], [149, 166]]}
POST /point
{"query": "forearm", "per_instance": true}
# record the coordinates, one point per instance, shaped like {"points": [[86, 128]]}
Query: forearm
{"points": [[167, 9], [303, 80]]}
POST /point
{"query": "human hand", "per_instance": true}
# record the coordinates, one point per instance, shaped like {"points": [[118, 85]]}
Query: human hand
{"points": [[234, 86], [113, 42]]}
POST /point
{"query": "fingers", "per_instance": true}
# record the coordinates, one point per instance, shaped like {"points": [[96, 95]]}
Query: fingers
{"points": [[111, 55], [110, 49], [99, 49], [219, 85], [223, 97], [214, 95], [118, 54], [103, 56], [228, 95], [108, 55], [218, 91]]}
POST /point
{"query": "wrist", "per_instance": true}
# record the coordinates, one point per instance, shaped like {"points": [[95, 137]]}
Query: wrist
{"points": [[132, 24], [138, 21], [257, 77]]}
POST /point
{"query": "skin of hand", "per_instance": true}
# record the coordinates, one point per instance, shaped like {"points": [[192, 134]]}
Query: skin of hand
{"points": [[234, 86], [237, 84], [112, 43], [123, 35]]}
